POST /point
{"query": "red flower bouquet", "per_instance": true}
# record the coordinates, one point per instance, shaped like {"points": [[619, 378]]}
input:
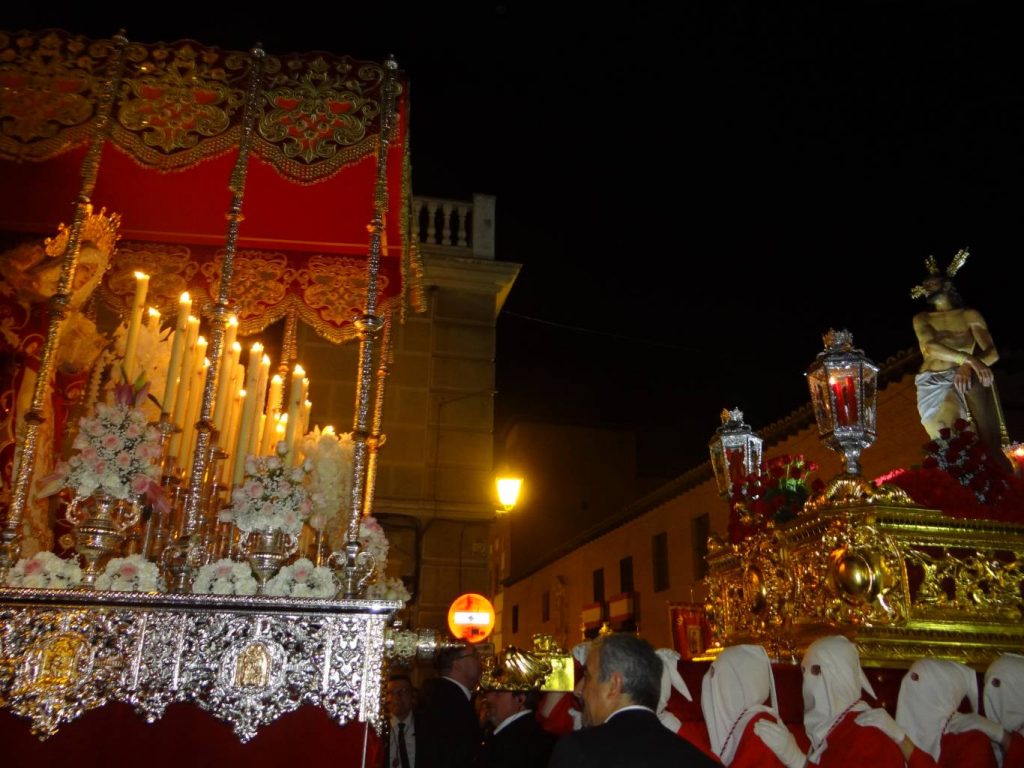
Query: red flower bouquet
{"points": [[776, 493], [959, 478]]}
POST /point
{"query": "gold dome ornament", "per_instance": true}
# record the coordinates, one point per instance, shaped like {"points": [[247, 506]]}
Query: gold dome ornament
{"points": [[514, 670]]}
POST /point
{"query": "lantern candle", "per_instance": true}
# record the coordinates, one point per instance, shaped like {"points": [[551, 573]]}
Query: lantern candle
{"points": [[851, 398], [134, 323], [839, 395], [177, 347]]}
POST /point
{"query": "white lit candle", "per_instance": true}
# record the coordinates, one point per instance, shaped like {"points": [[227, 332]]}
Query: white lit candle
{"points": [[177, 348], [230, 433], [272, 411], [226, 384], [197, 381], [131, 343], [195, 408], [248, 418], [189, 361], [280, 430], [307, 406], [261, 399], [153, 320], [295, 399]]}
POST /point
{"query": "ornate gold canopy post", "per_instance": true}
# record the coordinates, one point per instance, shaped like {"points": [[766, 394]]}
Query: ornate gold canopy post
{"points": [[369, 325], [10, 538]]}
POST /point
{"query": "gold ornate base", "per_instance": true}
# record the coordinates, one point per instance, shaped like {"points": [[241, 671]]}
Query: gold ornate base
{"points": [[900, 582]]}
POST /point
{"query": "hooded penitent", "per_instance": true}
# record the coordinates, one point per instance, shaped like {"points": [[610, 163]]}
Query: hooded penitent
{"points": [[931, 691], [1004, 691], [733, 691], [832, 682]]}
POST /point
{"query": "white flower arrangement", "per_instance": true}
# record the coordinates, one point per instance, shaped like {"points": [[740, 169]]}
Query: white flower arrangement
{"points": [[131, 574], [117, 452], [224, 577], [272, 496], [44, 570], [302, 579], [152, 358], [330, 479], [388, 588]]}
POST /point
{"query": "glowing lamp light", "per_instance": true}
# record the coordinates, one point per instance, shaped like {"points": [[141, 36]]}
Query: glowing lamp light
{"points": [[508, 492], [471, 618], [735, 451]]}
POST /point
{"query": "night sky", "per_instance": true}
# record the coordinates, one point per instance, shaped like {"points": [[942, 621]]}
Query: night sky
{"points": [[696, 193]]}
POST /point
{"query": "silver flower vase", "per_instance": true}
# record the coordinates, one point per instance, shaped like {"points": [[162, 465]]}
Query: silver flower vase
{"points": [[266, 552], [99, 528]]}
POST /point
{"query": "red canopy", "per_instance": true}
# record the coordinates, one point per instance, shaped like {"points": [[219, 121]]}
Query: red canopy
{"points": [[167, 161]]}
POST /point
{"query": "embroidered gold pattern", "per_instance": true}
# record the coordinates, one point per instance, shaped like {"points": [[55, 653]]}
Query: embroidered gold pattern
{"points": [[47, 93], [178, 96]]}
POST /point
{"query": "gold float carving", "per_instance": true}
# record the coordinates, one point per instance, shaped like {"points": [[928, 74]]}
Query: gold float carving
{"points": [[900, 582]]}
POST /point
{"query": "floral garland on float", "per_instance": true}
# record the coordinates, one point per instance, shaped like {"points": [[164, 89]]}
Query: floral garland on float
{"points": [[131, 574], [44, 570]]}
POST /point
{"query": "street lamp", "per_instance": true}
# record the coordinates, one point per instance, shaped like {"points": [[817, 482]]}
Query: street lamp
{"points": [[508, 492]]}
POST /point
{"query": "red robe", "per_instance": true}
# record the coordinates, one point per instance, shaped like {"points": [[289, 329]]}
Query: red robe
{"points": [[1014, 758], [850, 744], [970, 748], [752, 752]]}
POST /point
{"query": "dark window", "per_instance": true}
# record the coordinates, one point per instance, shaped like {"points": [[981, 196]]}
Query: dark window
{"points": [[545, 606], [659, 559], [626, 574], [599, 585], [701, 531], [515, 619]]}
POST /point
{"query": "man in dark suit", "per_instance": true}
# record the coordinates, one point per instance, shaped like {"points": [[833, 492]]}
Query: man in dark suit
{"points": [[511, 689], [446, 712], [621, 684], [404, 745]]}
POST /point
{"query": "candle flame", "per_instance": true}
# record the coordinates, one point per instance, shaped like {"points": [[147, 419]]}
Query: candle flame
{"points": [[299, 371], [232, 320], [236, 347], [154, 312], [276, 379], [185, 298], [141, 276]]}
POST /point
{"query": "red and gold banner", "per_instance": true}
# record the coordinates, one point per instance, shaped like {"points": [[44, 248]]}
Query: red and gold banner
{"points": [[691, 631]]}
